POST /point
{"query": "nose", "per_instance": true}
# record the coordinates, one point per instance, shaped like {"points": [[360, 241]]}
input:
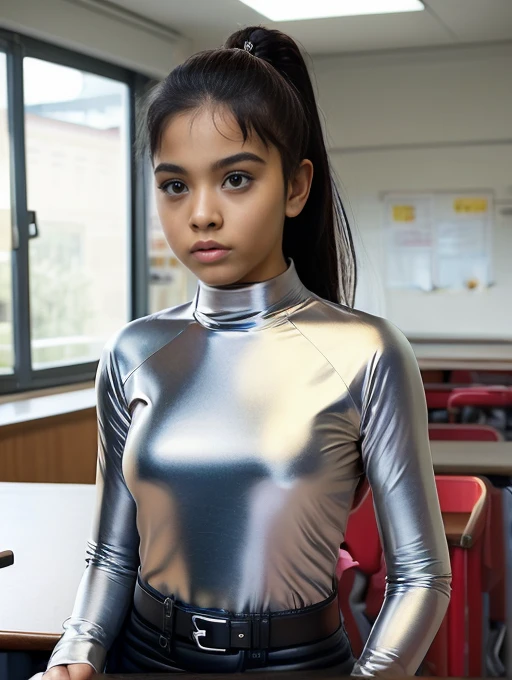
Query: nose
{"points": [[205, 212]]}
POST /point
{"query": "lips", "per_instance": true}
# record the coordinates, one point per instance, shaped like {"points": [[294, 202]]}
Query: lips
{"points": [[208, 245], [211, 255]]}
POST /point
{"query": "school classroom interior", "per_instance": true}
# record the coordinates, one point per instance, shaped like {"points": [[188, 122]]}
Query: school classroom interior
{"points": [[417, 108]]}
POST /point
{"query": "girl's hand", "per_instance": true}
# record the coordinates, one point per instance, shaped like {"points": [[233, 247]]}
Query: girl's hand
{"points": [[74, 671]]}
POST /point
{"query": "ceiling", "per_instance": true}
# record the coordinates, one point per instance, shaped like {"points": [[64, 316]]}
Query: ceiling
{"points": [[207, 23]]}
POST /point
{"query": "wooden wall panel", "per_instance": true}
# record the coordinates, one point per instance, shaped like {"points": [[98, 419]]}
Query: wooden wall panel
{"points": [[61, 449]]}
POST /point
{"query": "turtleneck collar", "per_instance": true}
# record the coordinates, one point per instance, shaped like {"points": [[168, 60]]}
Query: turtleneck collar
{"points": [[245, 306]]}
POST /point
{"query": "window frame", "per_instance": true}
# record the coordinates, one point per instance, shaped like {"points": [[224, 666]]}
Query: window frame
{"points": [[16, 47]]}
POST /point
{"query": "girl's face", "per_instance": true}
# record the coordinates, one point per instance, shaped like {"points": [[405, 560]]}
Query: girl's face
{"points": [[210, 185]]}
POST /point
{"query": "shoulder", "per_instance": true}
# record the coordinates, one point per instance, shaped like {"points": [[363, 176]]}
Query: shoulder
{"points": [[137, 340], [349, 338], [365, 350]]}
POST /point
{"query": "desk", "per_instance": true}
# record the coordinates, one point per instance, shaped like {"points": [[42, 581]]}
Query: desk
{"points": [[38, 590], [472, 458], [476, 355]]}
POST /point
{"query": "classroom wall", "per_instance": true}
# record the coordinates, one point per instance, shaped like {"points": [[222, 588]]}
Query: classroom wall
{"points": [[417, 121]]}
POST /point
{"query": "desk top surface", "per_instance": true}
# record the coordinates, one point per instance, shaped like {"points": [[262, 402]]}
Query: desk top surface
{"points": [[472, 355], [473, 458]]}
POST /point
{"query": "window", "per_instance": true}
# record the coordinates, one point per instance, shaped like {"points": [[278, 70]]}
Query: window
{"points": [[71, 213], [6, 329], [76, 142]]}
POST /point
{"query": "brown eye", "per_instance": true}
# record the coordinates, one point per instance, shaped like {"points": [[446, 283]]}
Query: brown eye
{"points": [[173, 188], [236, 180]]}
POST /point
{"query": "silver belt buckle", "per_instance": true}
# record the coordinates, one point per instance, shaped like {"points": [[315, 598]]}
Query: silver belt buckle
{"points": [[200, 632]]}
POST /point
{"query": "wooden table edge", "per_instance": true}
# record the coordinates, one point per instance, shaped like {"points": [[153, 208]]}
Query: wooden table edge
{"points": [[18, 640]]}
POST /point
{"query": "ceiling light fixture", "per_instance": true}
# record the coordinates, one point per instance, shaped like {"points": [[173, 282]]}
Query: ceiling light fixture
{"points": [[294, 10]]}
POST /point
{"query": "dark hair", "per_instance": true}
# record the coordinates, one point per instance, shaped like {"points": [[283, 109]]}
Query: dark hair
{"points": [[269, 92]]}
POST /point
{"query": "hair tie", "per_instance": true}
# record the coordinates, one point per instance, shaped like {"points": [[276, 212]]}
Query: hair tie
{"points": [[248, 46]]}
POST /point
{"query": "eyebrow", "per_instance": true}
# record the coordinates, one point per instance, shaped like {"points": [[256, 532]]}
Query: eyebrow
{"points": [[217, 165]]}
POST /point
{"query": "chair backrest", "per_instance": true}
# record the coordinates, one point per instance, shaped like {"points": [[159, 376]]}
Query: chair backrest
{"points": [[492, 396], [459, 493], [463, 432], [362, 536]]}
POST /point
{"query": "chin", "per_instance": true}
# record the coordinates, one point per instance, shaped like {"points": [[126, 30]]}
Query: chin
{"points": [[217, 275]]}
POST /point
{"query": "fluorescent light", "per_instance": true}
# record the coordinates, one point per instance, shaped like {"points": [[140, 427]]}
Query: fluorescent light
{"points": [[293, 10]]}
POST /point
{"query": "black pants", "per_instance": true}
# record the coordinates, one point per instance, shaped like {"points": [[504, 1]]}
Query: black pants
{"points": [[137, 650]]}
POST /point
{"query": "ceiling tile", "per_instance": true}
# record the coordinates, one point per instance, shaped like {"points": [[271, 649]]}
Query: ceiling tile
{"points": [[209, 23], [475, 20], [366, 33]]}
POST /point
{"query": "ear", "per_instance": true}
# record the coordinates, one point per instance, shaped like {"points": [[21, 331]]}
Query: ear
{"points": [[299, 187]]}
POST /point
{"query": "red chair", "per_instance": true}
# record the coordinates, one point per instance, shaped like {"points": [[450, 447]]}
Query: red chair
{"points": [[465, 506], [361, 602], [463, 432], [483, 397], [437, 397], [362, 541], [494, 576], [457, 648]]}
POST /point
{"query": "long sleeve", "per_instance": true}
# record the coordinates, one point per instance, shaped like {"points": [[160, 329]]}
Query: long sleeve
{"points": [[106, 588], [397, 460]]}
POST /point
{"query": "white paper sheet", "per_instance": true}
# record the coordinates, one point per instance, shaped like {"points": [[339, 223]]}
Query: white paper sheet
{"points": [[462, 241], [409, 241], [438, 240]]}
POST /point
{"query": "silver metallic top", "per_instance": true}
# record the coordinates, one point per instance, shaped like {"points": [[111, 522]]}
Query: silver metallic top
{"points": [[233, 430]]}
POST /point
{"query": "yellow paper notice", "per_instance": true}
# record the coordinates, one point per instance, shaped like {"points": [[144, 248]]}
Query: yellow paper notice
{"points": [[470, 205], [404, 213]]}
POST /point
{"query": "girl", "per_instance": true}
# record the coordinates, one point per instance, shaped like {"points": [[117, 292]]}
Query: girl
{"points": [[234, 429]]}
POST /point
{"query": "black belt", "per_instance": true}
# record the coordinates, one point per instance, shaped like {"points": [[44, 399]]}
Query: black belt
{"points": [[218, 633]]}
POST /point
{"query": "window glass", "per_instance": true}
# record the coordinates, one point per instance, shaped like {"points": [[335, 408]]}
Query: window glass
{"points": [[78, 168], [6, 325]]}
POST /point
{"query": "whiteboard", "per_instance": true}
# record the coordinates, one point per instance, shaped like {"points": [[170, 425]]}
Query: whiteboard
{"points": [[366, 176]]}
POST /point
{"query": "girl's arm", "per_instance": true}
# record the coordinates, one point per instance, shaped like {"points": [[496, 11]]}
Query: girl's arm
{"points": [[106, 588], [397, 459]]}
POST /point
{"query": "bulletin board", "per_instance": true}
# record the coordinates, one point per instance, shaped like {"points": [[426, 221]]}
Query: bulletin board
{"points": [[438, 241]]}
